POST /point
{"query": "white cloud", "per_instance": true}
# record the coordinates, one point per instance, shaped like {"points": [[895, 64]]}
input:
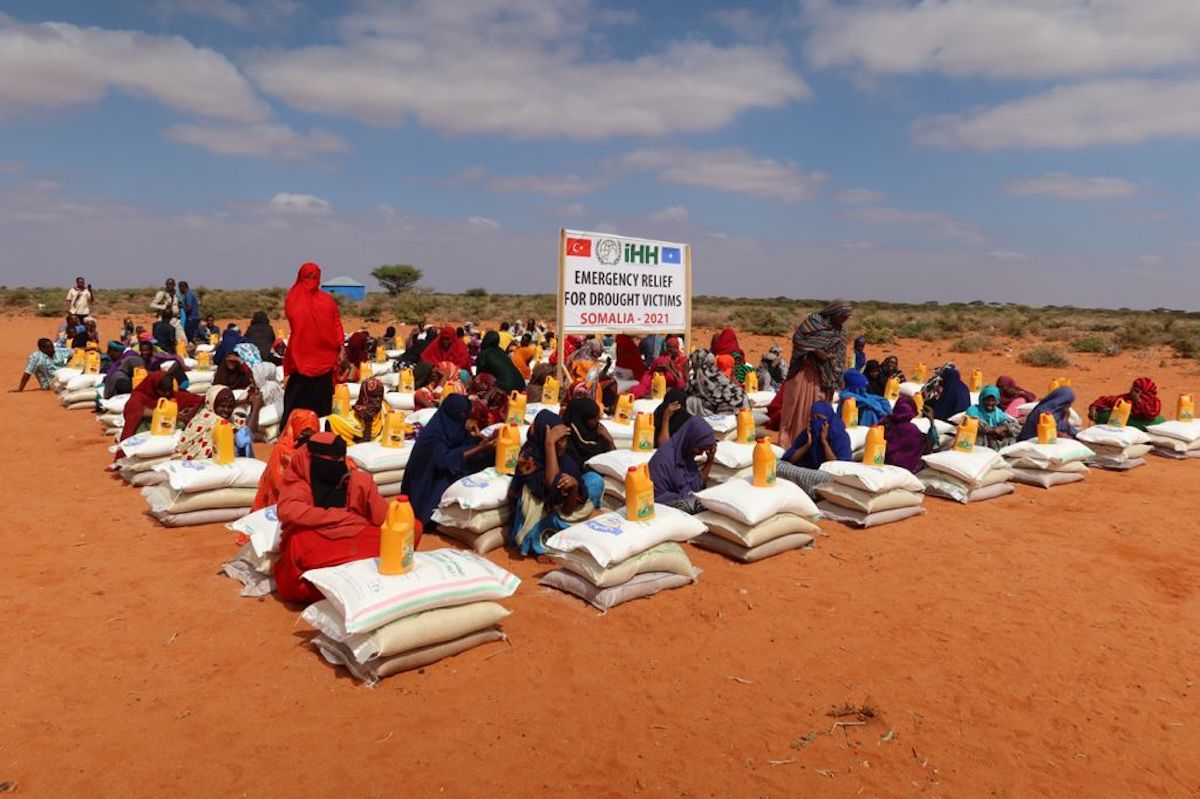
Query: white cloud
{"points": [[299, 205], [732, 170], [529, 70], [550, 185], [1024, 39], [1106, 112], [241, 15], [54, 64], [1072, 187], [859, 197], [572, 210], [266, 139], [483, 223], [1150, 259], [672, 214], [1006, 255], [11, 167], [939, 224]]}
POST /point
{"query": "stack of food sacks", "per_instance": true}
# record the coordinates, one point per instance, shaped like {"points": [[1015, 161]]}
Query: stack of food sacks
{"points": [[81, 391], [1176, 439], [1116, 449], [474, 511], [613, 466], [254, 563], [966, 475], [1048, 465], [379, 625], [749, 523], [386, 465], [203, 492], [866, 495], [112, 414], [608, 560], [139, 454]]}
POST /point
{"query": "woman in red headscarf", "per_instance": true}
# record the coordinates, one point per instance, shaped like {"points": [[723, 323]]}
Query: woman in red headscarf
{"points": [[156, 386], [314, 345], [447, 347], [725, 343], [300, 425], [329, 514], [629, 356], [1145, 410], [672, 364]]}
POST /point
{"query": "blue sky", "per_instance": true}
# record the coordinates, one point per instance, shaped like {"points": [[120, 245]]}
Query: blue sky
{"points": [[1014, 150]]}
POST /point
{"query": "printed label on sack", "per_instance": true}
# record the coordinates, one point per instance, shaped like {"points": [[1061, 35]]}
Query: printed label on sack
{"points": [[608, 525], [271, 514]]}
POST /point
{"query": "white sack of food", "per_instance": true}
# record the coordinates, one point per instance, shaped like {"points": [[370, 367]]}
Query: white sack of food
{"points": [[741, 500], [480, 491], [872, 479], [611, 538], [205, 475]]}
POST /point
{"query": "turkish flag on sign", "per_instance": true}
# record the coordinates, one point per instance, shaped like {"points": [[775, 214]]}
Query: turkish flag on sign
{"points": [[580, 248]]}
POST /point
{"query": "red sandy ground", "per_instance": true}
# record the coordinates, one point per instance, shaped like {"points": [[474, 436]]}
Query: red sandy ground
{"points": [[1044, 644]]}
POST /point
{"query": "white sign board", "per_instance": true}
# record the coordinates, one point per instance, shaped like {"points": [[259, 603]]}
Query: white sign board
{"points": [[616, 284]]}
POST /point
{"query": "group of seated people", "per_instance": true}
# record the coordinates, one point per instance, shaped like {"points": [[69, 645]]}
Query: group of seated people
{"points": [[331, 511]]}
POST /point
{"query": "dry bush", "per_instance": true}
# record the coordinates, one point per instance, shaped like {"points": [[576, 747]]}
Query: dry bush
{"points": [[1044, 356]]}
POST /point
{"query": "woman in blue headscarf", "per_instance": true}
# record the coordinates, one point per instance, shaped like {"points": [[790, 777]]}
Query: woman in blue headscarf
{"points": [[871, 408], [550, 490], [1058, 404], [825, 439], [674, 471], [996, 428], [953, 396], [445, 452]]}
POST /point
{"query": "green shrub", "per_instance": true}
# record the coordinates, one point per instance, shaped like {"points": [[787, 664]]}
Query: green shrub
{"points": [[1136, 334], [1044, 356], [765, 323], [1089, 344], [973, 343], [1187, 345], [477, 291], [913, 328]]}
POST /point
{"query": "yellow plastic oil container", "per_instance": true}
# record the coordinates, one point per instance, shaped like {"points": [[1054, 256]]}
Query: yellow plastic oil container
{"points": [[764, 464], [1053, 384], [91, 363], [658, 386], [407, 383], [1047, 429], [639, 494], [751, 384], [163, 421], [643, 433], [396, 538], [139, 374], [341, 399], [1064, 382], [920, 372], [365, 372], [976, 380], [876, 448], [223, 451], [550, 391], [214, 339], [380, 354], [919, 400], [891, 390], [508, 448], [624, 413], [850, 412], [78, 358], [204, 361], [1185, 409], [745, 426], [1120, 414], [395, 429], [517, 402], [968, 430], [181, 348]]}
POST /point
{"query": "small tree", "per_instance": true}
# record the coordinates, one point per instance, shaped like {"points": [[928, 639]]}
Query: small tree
{"points": [[397, 278]]}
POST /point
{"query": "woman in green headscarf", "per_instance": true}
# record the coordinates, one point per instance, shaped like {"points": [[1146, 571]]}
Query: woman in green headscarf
{"points": [[495, 362], [996, 428]]}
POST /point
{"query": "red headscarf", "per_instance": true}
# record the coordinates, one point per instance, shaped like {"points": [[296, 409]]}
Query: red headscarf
{"points": [[1146, 406], [725, 364], [725, 343], [316, 324], [271, 482], [1009, 390], [356, 347], [297, 512], [629, 356], [447, 347], [145, 397]]}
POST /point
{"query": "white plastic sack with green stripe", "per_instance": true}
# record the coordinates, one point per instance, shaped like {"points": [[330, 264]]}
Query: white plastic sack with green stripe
{"points": [[442, 578]]}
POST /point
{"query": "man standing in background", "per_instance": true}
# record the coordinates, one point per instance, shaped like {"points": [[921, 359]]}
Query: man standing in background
{"points": [[190, 311], [79, 299], [167, 300]]}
